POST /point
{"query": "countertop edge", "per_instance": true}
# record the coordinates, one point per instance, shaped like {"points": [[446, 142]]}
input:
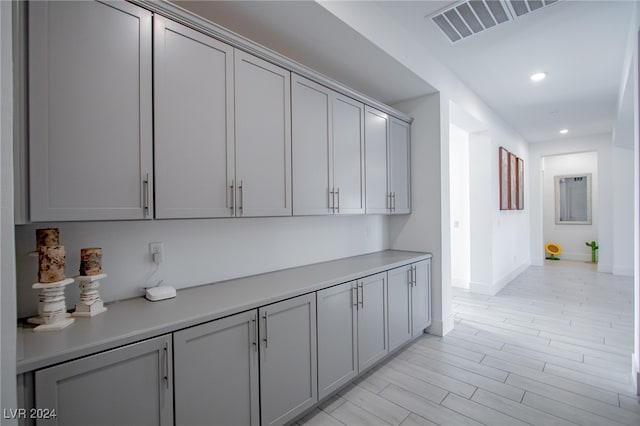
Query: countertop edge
{"points": [[37, 361]]}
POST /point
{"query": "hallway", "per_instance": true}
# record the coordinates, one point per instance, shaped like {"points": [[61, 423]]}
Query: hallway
{"points": [[552, 348]]}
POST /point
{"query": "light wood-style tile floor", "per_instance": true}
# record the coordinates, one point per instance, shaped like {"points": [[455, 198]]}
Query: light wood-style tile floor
{"points": [[552, 348]]}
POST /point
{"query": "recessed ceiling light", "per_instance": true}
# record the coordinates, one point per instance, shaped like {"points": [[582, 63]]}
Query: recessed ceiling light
{"points": [[564, 131], [539, 76]]}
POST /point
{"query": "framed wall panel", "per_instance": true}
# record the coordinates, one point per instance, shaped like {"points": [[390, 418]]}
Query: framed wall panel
{"points": [[504, 179], [520, 177]]}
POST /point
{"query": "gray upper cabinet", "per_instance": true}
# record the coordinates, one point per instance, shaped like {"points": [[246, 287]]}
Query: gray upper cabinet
{"points": [[216, 372], [312, 150], [131, 385], [421, 296], [348, 155], [400, 166], [262, 184], [400, 283], [388, 170], [288, 359], [90, 113], [193, 107], [328, 150], [377, 157], [337, 337]]}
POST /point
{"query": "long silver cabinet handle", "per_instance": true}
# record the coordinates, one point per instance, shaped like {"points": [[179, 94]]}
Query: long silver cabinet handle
{"points": [[393, 197], [389, 203], [332, 200], [361, 285], [241, 207], [415, 274], [147, 195], [166, 364], [232, 206], [338, 194], [266, 331], [254, 322], [354, 296]]}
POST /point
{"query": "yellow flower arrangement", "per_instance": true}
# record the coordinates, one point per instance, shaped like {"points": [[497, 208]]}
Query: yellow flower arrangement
{"points": [[554, 249]]}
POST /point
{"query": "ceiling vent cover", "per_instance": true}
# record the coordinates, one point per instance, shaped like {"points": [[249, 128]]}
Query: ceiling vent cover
{"points": [[474, 16]]}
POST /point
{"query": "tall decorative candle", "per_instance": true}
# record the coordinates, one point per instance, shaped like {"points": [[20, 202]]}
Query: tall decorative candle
{"points": [[47, 237], [91, 261], [52, 263]]}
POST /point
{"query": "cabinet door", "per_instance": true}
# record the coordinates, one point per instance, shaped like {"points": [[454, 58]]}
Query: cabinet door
{"points": [[337, 337], [400, 162], [348, 155], [263, 137], [376, 134], [399, 303], [372, 314], [126, 386], [90, 114], [421, 297], [216, 372], [311, 147], [193, 105], [288, 359]]}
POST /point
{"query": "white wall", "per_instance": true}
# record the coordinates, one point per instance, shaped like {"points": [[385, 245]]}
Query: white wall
{"points": [[623, 211], [198, 251], [428, 225], [509, 230], [8, 397], [602, 209], [481, 211], [571, 238], [459, 190]]}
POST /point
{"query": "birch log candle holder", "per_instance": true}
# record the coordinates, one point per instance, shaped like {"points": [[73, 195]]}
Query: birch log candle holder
{"points": [[90, 302], [52, 307]]}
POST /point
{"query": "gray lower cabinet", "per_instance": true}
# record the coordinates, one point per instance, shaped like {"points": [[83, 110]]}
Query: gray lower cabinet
{"points": [[373, 342], [409, 302], [216, 372], [288, 359], [131, 385], [421, 296], [399, 302], [337, 337], [351, 330]]}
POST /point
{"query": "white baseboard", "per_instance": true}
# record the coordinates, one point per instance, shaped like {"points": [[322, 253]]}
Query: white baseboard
{"points": [[537, 261], [626, 271], [575, 256], [635, 378], [607, 268], [441, 328], [492, 289], [457, 282]]}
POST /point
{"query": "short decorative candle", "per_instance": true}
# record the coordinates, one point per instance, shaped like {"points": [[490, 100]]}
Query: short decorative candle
{"points": [[47, 237], [90, 261]]}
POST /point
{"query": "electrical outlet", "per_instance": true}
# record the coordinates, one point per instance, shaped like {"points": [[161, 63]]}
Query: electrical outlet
{"points": [[156, 250]]}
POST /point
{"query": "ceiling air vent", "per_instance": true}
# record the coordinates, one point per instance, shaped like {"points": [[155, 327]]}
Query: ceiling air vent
{"points": [[473, 16]]}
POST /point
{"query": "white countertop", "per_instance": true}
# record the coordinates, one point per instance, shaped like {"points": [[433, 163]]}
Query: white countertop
{"points": [[137, 319]]}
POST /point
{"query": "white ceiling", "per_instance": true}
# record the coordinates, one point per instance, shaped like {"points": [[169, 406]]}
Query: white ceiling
{"points": [[580, 44]]}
